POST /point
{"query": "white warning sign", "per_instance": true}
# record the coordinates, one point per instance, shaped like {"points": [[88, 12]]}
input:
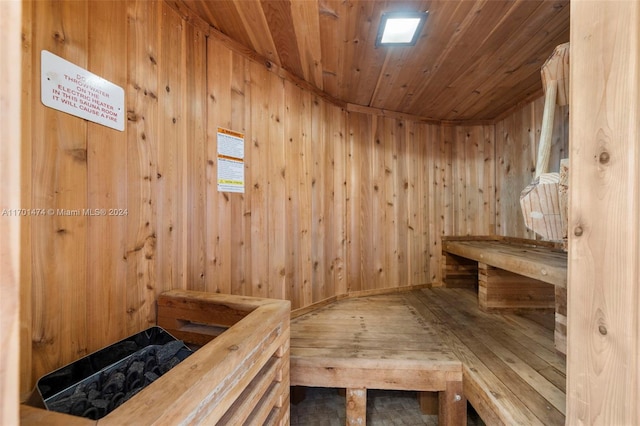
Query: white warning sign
{"points": [[74, 90], [230, 161]]}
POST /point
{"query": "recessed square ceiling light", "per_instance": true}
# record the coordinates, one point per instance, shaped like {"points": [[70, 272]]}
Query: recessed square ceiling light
{"points": [[400, 28]]}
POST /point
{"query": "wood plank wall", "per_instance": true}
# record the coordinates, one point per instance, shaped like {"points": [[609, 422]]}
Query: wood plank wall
{"points": [[10, 13], [603, 368], [484, 167], [468, 179], [517, 138], [391, 163], [89, 281], [336, 201]]}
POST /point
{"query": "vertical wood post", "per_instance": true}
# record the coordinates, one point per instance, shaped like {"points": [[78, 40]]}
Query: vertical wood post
{"points": [[603, 321], [356, 406], [453, 405], [429, 402], [498, 289], [10, 154]]}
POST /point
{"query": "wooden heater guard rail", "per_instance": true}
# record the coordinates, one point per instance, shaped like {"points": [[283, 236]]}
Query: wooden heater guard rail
{"points": [[511, 273], [239, 376]]}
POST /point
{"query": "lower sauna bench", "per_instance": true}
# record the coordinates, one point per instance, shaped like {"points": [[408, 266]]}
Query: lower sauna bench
{"points": [[238, 376], [375, 342], [511, 273], [436, 339]]}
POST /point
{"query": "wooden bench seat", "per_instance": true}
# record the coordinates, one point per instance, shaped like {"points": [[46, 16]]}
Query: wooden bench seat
{"points": [[375, 342], [511, 373], [539, 260], [510, 273]]}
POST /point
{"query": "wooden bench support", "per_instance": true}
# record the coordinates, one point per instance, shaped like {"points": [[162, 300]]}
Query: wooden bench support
{"points": [[359, 344], [452, 405], [459, 272], [429, 402], [297, 394], [498, 289], [414, 341], [512, 273], [560, 333], [356, 406]]}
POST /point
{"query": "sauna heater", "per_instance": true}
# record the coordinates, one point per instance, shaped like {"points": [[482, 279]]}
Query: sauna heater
{"points": [[97, 384]]}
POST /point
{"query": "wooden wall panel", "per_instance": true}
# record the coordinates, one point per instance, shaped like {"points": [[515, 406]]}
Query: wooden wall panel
{"points": [[603, 372], [357, 190], [467, 178], [142, 167], [240, 256], [300, 290], [256, 174], [431, 196], [514, 163], [483, 169], [195, 116], [517, 138], [377, 226], [10, 225], [388, 211], [336, 136], [26, 186], [400, 202], [217, 226], [106, 187], [279, 285], [92, 280], [414, 189], [171, 199], [445, 178], [59, 181], [368, 188], [320, 150]]}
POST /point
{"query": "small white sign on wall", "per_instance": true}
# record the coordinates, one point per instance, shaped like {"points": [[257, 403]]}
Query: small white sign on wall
{"points": [[230, 161], [76, 91]]}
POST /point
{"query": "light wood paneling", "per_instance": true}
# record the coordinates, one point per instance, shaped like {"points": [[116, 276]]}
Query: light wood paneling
{"points": [[336, 200], [468, 179], [84, 274], [106, 186], [26, 255], [78, 274], [604, 263], [359, 128], [517, 138], [309, 192], [195, 116], [58, 178], [474, 59], [10, 165], [279, 285], [142, 167], [217, 225], [388, 212]]}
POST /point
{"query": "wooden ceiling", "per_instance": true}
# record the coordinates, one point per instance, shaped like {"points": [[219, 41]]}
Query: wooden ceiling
{"points": [[474, 60]]}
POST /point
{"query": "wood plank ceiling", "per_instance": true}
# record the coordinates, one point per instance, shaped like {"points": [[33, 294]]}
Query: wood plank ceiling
{"points": [[473, 61]]}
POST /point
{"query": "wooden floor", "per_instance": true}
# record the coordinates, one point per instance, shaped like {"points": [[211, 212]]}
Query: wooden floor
{"points": [[511, 372]]}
